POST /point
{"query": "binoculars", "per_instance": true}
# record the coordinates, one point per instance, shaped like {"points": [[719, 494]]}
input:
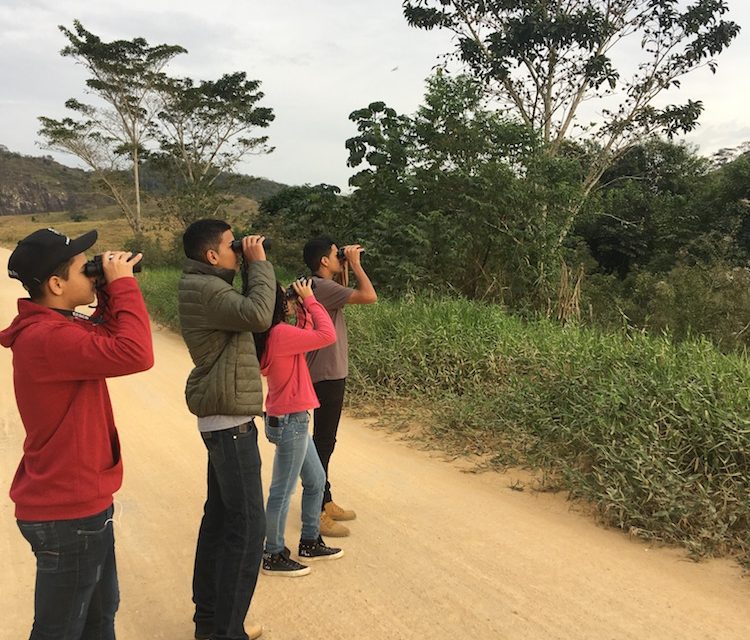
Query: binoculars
{"points": [[290, 293], [341, 255], [237, 245], [94, 268]]}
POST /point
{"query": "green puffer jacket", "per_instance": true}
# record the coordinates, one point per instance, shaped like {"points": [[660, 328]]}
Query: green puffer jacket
{"points": [[217, 324]]}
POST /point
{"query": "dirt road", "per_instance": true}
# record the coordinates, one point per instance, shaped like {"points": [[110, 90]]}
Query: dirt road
{"points": [[434, 553]]}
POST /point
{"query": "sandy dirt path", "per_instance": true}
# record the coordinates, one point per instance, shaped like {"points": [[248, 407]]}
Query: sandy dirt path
{"points": [[434, 553]]}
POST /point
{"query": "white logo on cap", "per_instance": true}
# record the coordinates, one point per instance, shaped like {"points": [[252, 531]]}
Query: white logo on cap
{"points": [[67, 240]]}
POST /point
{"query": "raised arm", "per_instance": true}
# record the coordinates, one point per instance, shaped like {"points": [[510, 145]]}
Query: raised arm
{"points": [[365, 292]]}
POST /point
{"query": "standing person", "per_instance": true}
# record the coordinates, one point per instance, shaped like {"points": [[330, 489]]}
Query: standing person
{"points": [[71, 462], [224, 392], [330, 366], [281, 351]]}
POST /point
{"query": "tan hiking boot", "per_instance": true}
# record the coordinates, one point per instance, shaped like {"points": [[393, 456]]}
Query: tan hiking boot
{"points": [[337, 513], [330, 528]]}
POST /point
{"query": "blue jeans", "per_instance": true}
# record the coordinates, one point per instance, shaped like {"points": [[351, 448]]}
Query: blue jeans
{"points": [[77, 594], [295, 457], [230, 540]]}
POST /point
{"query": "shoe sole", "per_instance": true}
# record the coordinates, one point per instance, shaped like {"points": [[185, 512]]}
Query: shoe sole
{"points": [[332, 556], [297, 573]]}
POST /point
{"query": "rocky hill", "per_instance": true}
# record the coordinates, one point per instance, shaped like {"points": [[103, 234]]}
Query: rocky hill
{"points": [[31, 184]]}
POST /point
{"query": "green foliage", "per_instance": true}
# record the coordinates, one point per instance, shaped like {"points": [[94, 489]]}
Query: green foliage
{"points": [[655, 436], [203, 132], [459, 197], [295, 214], [545, 59], [159, 287], [126, 76], [691, 299]]}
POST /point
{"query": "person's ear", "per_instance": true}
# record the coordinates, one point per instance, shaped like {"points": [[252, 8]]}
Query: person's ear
{"points": [[212, 257], [55, 285]]}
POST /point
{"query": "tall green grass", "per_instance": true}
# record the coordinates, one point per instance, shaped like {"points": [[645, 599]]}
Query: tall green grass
{"points": [[656, 436], [159, 286]]}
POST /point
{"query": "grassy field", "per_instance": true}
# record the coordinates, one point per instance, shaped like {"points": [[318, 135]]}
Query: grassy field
{"points": [[653, 436], [113, 229]]}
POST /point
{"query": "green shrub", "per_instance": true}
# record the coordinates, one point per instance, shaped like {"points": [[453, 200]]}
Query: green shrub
{"points": [[655, 436]]}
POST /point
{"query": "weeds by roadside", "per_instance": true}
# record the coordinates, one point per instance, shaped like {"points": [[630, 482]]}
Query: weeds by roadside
{"points": [[654, 435]]}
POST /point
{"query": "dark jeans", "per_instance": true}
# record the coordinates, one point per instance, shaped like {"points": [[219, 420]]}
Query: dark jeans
{"points": [[326, 423], [76, 595], [230, 540]]}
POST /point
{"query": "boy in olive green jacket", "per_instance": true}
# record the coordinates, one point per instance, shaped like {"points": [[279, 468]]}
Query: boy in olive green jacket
{"points": [[224, 392]]}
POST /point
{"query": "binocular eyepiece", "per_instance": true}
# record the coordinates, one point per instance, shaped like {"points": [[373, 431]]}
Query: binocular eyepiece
{"points": [[94, 268], [237, 245]]}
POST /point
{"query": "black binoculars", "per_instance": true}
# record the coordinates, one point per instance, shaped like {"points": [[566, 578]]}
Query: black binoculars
{"points": [[290, 293], [341, 254], [237, 245], [94, 268]]}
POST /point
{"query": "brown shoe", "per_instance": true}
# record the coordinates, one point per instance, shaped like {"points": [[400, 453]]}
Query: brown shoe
{"points": [[330, 528], [337, 513]]}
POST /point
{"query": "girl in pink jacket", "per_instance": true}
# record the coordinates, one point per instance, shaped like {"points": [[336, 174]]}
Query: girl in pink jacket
{"points": [[281, 352]]}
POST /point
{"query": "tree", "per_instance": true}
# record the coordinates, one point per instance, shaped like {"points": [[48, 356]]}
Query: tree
{"points": [[450, 197], [127, 77], [204, 131], [543, 61]]}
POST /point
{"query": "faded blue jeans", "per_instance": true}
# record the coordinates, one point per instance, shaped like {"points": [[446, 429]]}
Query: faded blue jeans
{"points": [[295, 457], [76, 578]]}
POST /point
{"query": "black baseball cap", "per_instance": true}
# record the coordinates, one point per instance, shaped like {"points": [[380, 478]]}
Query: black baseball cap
{"points": [[36, 257]]}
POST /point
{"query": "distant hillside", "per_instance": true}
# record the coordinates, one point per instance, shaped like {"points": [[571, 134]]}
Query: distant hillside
{"points": [[30, 184], [39, 184]]}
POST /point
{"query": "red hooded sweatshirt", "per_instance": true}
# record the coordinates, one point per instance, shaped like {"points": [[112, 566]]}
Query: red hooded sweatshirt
{"points": [[71, 455]]}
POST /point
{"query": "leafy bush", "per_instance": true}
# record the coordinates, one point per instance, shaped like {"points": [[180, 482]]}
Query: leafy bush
{"points": [[656, 436], [710, 300]]}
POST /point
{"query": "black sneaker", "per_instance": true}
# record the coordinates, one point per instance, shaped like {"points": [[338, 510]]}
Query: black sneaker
{"points": [[280, 564], [317, 550]]}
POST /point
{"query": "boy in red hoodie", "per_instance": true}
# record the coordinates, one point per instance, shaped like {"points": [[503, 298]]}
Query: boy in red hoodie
{"points": [[71, 455]]}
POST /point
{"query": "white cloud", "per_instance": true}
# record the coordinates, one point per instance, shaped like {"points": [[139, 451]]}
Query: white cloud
{"points": [[318, 61]]}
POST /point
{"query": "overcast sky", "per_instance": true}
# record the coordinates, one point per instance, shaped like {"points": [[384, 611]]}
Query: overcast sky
{"points": [[318, 61]]}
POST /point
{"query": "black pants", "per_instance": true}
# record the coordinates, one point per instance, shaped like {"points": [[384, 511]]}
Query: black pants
{"points": [[230, 541], [326, 423]]}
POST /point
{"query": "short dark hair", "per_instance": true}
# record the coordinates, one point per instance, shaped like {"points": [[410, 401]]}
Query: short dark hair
{"points": [[201, 236], [62, 270], [315, 250]]}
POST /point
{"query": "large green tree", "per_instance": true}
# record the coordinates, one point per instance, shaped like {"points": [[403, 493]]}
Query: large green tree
{"points": [[204, 130], [449, 197], [126, 77], [588, 71]]}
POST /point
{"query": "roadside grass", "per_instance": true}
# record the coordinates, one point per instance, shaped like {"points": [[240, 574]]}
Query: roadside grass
{"points": [[159, 288], [653, 436]]}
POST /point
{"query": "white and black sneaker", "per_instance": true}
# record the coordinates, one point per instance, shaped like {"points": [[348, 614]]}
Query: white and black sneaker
{"points": [[318, 550], [280, 564]]}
